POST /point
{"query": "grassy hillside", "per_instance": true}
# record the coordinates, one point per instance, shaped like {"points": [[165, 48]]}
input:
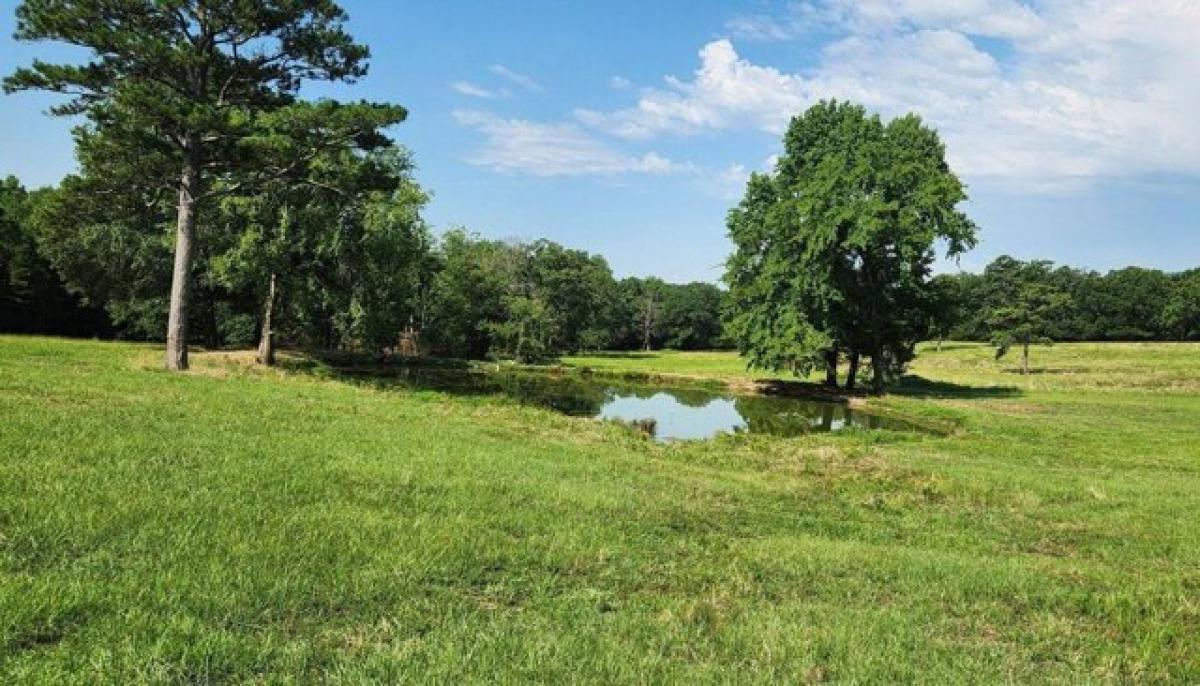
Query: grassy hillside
{"points": [[234, 525]]}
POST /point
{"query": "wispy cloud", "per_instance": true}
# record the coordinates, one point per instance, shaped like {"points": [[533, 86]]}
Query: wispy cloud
{"points": [[553, 149], [1077, 90], [619, 83], [472, 90], [761, 27], [526, 82]]}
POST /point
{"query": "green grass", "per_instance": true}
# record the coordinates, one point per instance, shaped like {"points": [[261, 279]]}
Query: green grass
{"points": [[229, 525], [691, 364]]}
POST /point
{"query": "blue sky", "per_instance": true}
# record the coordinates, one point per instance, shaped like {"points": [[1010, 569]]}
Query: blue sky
{"points": [[628, 128]]}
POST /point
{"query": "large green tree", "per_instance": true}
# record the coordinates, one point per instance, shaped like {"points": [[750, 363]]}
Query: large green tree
{"points": [[173, 88], [833, 250]]}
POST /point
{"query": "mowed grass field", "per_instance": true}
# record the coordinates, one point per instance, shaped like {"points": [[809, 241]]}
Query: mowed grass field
{"points": [[229, 526]]}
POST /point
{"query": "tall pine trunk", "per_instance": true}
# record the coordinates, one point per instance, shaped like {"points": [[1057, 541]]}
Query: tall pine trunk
{"points": [[181, 278], [1025, 358], [266, 345]]}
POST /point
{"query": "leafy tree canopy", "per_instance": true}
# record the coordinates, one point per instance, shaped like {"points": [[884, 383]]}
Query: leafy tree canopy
{"points": [[833, 250]]}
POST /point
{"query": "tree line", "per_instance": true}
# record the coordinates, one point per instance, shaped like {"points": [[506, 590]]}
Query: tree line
{"points": [[1130, 304], [354, 270], [372, 277]]}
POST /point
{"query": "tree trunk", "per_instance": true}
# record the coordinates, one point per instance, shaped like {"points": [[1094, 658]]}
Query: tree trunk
{"points": [[939, 344], [1025, 359], [831, 360], [266, 345], [852, 373], [877, 369], [647, 323], [185, 230]]}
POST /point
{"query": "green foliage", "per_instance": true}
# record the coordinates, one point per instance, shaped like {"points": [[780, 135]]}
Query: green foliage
{"points": [[517, 300], [464, 296], [1181, 312], [1026, 318], [579, 294], [1125, 304], [525, 330], [33, 298], [188, 99], [387, 266], [833, 250], [691, 316]]}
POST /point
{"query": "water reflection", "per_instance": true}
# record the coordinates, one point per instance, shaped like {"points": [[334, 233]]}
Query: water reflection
{"points": [[678, 413]]}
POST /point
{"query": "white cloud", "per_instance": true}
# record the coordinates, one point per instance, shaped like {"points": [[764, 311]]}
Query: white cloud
{"points": [[521, 80], [619, 83], [726, 91], [470, 89], [553, 149], [1078, 89]]}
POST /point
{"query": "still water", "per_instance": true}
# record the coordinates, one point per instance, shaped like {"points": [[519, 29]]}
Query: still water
{"points": [[677, 413]]}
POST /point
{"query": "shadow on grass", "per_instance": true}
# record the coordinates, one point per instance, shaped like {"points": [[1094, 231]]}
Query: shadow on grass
{"points": [[912, 386], [384, 366], [622, 355], [805, 390], [571, 395]]}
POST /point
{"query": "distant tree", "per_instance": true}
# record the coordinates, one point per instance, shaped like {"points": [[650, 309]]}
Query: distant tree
{"points": [[833, 251], [518, 299], [578, 289], [947, 302], [525, 330], [691, 316], [1181, 312], [640, 313], [466, 294], [33, 299], [174, 89], [1132, 304], [1026, 319]]}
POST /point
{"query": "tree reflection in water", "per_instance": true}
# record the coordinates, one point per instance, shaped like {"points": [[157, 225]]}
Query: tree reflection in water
{"points": [[677, 413]]}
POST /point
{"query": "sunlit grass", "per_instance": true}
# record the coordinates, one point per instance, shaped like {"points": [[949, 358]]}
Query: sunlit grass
{"points": [[235, 525]]}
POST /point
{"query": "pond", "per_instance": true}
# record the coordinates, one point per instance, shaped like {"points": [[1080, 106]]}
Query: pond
{"points": [[677, 413]]}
